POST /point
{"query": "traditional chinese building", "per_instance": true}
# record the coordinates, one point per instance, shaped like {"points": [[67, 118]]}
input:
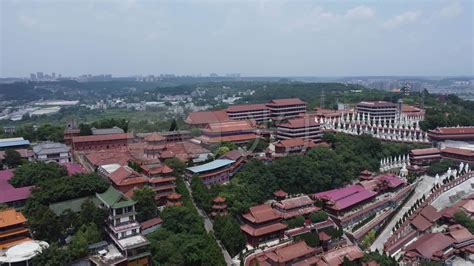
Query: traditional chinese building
{"points": [[219, 207], [261, 224], [293, 146], [306, 128], [216, 172], [13, 228], [286, 108], [292, 207], [441, 134], [378, 110], [258, 112], [238, 132], [101, 142], [174, 199]]}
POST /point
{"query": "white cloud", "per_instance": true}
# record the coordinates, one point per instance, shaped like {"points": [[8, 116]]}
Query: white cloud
{"points": [[360, 12], [316, 20], [453, 10], [402, 19], [27, 21]]}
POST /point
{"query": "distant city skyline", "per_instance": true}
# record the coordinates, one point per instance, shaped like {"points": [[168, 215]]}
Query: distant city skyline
{"points": [[262, 38]]}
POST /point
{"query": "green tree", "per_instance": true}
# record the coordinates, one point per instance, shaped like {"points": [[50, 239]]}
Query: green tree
{"points": [[12, 158], [227, 229], [311, 239], [177, 165], [174, 125], [461, 218], [368, 239], [146, 204], [33, 173], [297, 221], [318, 216]]}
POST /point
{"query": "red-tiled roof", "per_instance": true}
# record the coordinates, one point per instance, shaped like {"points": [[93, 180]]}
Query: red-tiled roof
{"points": [[150, 223], [234, 138], [205, 117], [260, 231], [174, 196], [289, 101], [453, 130], [232, 155], [469, 206], [246, 107], [295, 142], [98, 158], [323, 236], [392, 180], [459, 233], [260, 214], [336, 256], [299, 123], [428, 244], [154, 137], [427, 151], [219, 199], [157, 180], [421, 223], [282, 255], [292, 203], [122, 173], [74, 168], [430, 213], [458, 151], [280, 193], [121, 136], [230, 126]]}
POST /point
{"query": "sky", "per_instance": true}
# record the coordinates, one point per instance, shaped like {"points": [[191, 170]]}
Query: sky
{"points": [[254, 38]]}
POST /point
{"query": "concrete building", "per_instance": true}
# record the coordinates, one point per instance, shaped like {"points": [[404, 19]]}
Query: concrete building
{"points": [[305, 128], [52, 151], [286, 108], [378, 109]]}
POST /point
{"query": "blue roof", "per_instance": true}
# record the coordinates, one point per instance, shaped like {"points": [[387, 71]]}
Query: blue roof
{"points": [[13, 142], [210, 166]]}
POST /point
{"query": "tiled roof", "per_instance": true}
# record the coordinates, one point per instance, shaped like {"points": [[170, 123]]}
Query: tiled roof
{"points": [[260, 214], [290, 252], [427, 151], [154, 137], [289, 101], [295, 142], [430, 213], [50, 148], [105, 131], [458, 151], [299, 123], [10, 193], [218, 199], [260, 231], [453, 130], [12, 142], [9, 217], [205, 117], [392, 180], [124, 136], [74, 168], [234, 138], [120, 156], [469, 206], [428, 244], [421, 223], [459, 233], [246, 107], [292, 203], [114, 198], [343, 198], [230, 126], [150, 223], [336, 256], [376, 104], [280, 193], [232, 155]]}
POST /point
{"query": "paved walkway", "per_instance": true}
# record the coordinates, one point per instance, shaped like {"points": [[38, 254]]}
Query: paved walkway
{"points": [[423, 186], [208, 226]]}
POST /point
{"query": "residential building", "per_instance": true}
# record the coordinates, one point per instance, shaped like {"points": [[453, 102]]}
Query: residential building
{"points": [[101, 142], [378, 110], [306, 128], [258, 112], [262, 223], [13, 228], [286, 108], [123, 228], [52, 151]]}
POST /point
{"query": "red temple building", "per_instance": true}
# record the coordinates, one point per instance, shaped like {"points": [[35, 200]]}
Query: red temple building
{"points": [[238, 132], [306, 128], [101, 142], [292, 207], [258, 112], [295, 253], [163, 187], [451, 133], [261, 224], [293, 146], [13, 228], [425, 156], [201, 119], [286, 108]]}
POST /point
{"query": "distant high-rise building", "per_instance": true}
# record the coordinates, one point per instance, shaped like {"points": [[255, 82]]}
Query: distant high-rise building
{"points": [[213, 75], [39, 75], [32, 76], [53, 75]]}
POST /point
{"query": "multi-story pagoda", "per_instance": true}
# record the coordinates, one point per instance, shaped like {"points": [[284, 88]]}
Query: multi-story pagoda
{"points": [[219, 207], [174, 199]]}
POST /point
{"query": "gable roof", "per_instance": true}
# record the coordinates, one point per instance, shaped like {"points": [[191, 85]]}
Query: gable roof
{"points": [[106, 137], [288, 101], [246, 107], [50, 148], [206, 117], [421, 223], [9, 217], [113, 198], [261, 213], [10, 193], [216, 164], [430, 243]]}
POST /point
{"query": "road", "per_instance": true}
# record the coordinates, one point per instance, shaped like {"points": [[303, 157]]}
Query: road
{"points": [[208, 226], [423, 187]]}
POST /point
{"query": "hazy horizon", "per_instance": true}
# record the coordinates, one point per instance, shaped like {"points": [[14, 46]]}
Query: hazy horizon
{"points": [[254, 38]]}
